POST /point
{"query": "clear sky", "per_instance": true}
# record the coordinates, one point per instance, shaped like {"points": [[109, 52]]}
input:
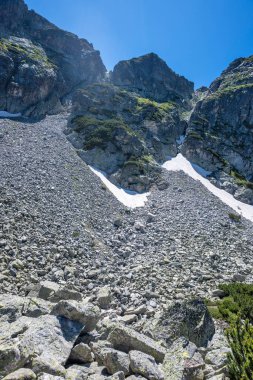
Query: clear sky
{"points": [[197, 38]]}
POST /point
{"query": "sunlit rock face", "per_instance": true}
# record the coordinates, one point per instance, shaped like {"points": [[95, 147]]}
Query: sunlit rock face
{"points": [[219, 136], [35, 54], [150, 77]]}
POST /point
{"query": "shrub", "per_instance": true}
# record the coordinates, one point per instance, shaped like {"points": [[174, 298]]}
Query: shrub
{"points": [[237, 309], [240, 360], [238, 299]]}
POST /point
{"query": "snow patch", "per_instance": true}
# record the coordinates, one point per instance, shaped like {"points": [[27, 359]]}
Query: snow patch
{"points": [[8, 114], [128, 198], [181, 163]]}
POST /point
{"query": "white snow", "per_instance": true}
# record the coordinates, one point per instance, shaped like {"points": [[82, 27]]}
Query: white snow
{"points": [[181, 163], [7, 114], [128, 198]]}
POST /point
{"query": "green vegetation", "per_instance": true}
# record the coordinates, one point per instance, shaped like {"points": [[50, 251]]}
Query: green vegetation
{"points": [[235, 217], [99, 132], [215, 154], [237, 309], [156, 110], [229, 89], [141, 161], [241, 180], [195, 135], [31, 52], [240, 360]]}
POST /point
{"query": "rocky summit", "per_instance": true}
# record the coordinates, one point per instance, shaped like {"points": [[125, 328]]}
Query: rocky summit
{"points": [[125, 202]]}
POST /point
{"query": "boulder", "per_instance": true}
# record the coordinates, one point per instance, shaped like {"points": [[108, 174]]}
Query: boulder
{"points": [[81, 353], [190, 319], [47, 376], [115, 361], [48, 365], [46, 340], [145, 365], [54, 292], [77, 372], [21, 374], [182, 361], [85, 313], [126, 339], [98, 347], [104, 297]]}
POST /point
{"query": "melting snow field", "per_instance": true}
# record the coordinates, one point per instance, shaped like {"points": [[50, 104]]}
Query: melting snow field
{"points": [[10, 115], [128, 198], [181, 163]]}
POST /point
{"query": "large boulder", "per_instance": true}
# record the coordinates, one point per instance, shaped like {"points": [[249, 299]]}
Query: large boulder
{"points": [[85, 313], [46, 337], [190, 319], [115, 361], [145, 365], [183, 362], [21, 374], [125, 339]]}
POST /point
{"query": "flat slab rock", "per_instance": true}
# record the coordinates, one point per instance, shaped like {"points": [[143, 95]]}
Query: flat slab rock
{"points": [[45, 337], [126, 339]]}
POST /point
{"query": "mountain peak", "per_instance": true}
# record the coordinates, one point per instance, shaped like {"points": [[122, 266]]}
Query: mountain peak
{"points": [[151, 77]]}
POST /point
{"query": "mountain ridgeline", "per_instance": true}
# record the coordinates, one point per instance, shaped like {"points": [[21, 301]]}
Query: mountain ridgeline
{"points": [[127, 122]]}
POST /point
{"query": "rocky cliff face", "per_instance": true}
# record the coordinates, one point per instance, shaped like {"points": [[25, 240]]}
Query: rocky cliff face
{"points": [[219, 136], [125, 135], [150, 77], [40, 63]]}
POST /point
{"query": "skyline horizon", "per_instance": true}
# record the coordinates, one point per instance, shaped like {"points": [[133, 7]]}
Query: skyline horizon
{"points": [[200, 60]]}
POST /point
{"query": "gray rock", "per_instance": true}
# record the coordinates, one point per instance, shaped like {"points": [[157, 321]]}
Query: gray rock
{"points": [[47, 365], [190, 319], [98, 347], [183, 362], [126, 339], [104, 297], [84, 313], [47, 376], [145, 365], [47, 289], [115, 361], [151, 78], [21, 374], [77, 372], [117, 376], [81, 353]]}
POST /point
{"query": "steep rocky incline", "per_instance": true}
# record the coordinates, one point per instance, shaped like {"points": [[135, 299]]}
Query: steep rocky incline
{"points": [[219, 137], [40, 63], [58, 222], [150, 77], [125, 135]]}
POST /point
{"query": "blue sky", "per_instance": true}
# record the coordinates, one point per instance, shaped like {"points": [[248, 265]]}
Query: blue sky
{"points": [[197, 38]]}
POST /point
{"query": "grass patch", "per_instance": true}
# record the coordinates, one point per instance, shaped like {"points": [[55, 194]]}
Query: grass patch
{"points": [[30, 52], [235, 217], [237, 309], [99, 132], [241, 180], [194, 135]]}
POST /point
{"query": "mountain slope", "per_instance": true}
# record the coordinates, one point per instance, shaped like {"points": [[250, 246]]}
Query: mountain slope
{"points": [[219, 136]]}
